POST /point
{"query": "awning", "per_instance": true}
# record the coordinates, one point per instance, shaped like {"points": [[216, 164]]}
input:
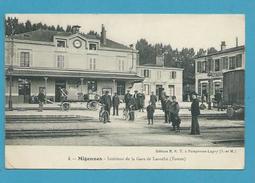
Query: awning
{"points": [[103, 75]]}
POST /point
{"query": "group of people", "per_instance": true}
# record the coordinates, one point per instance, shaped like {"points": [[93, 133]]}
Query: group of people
{"points": [[171, 110]]}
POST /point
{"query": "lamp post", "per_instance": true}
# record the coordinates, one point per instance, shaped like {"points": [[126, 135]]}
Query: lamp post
{"points": [[209, 93], [10, 71]]}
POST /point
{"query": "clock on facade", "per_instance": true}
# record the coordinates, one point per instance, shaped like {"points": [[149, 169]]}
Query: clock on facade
{"points": [[77, 43]]}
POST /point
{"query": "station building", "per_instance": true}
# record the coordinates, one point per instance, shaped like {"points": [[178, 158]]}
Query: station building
{"points": [[209, 68], [78, 62], [157, 76]]}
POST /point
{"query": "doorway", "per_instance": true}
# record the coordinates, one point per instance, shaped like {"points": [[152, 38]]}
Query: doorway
{"points": [[24, 86], [59, 84]]}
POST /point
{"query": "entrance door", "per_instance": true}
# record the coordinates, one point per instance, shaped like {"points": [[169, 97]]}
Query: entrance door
{"points": [[159, 89], [58, 85], [24, 90]]}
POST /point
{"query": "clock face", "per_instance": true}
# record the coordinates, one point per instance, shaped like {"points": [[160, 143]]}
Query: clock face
{"points": [[77, 43]]}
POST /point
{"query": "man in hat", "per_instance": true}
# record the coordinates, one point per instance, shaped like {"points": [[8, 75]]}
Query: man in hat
{"points": [[153, 100], [168, 103], [115, 104], [127, 98], [174, 113], [136, 97], [41, 99], [195, 112], [106, 100]]}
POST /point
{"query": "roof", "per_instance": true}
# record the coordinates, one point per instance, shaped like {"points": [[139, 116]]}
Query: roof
{"points": [[76, 74], [237, 48], [159, 66], [48, 35]]}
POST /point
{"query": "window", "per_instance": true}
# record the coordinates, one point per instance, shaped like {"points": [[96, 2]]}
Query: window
{"points": [[239, 60], [92, 86], [92, 46], [232, 62], [121, 88], [121, 65], [203, 67], [210, 64], [217, 87], [217, 64], [61, 43], [146, 73], [60, 61], [198, 67], [225, 63], [24, 59], [147, 89], [172, 75], [171, 90], [92, 64], [158, 74]]}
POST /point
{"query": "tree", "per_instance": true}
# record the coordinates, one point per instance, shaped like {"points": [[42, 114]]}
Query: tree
{"points": [[28, 26], [211, 50], [68, 28]]}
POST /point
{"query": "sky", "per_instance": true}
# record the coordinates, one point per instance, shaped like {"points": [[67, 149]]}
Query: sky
{"points": [[179, 30]]}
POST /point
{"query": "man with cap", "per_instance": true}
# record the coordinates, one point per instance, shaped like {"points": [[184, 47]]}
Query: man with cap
{"points": [[127, 98], [106, 100], [153, 100], [115, 104], [195, 112], [168, 103], [174, 113]]}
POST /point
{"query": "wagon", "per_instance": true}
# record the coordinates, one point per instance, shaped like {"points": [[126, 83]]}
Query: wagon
{"points": [[74, 96], [233, 93]]}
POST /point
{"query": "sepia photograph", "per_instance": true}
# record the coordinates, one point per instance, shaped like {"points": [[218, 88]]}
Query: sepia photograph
{"points": [[97, 86]]}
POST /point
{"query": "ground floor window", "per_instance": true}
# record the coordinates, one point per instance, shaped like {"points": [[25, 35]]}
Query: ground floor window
{"points": [[171, 90], [92, 86], [147, 89], [121, 88]]}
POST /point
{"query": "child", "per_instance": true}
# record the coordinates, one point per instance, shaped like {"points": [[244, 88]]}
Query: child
{"points": [[150, 113]]}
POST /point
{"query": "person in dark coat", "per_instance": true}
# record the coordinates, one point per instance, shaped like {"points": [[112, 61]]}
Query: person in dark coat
{"points": [[153, 100], [131, 109], [174, 113], [136, 97], [141, 97], [168, 103], [41, 99], [218, 99], [115, 104], [195, 112], [106, 100], [127, 98], [163, 98], [150, 113]]}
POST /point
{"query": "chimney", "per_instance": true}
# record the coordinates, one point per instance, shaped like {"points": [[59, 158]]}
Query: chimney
{"points": [[75, 29], [236, 41], [223, 45], [103, 35]]}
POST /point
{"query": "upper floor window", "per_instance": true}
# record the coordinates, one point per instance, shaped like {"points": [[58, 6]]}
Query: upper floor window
{"points": [[61, 43], [232, 62], [24, 59], [172, 75], [92, 46], [60, 61], [201, 67], [225, 63], [146, 73], [217, 64], [92, 64], [121, 65], [239, 60], [158, 74]]}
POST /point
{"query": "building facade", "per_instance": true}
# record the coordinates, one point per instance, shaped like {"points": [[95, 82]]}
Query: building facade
{"points": [[209, 69], [78, 62], [156, 77]]}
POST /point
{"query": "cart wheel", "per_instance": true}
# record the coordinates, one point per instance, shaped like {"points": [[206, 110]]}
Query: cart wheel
{"points": [[65, 106], [230, 112], [92, 105]]}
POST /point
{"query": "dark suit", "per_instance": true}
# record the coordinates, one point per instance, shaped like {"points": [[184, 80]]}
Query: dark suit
{"points": [[115, 104], [195, 111], [106, 100], [153, 100]]}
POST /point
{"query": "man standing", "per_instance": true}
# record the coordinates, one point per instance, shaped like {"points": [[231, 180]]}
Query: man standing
{"points": [[127, 98], [175, 108], [195, 111], [115, 102], [41, 99], [153, 100], [141, 101], [163, 98], [106, 100], [168, 104], [136, 97], [131, 108]]}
